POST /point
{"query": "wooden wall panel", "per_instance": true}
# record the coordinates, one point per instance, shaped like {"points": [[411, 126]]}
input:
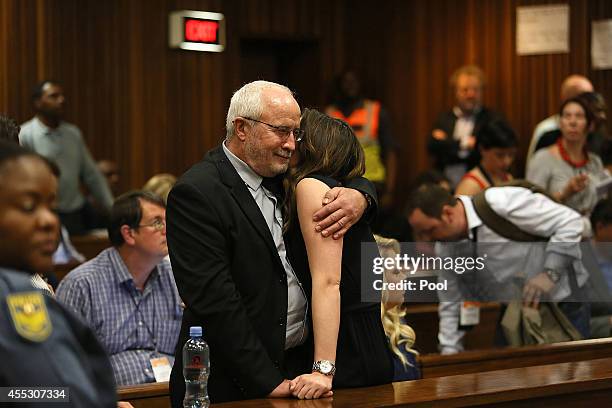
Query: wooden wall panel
{"points": [[153, 109], [424, 42]]}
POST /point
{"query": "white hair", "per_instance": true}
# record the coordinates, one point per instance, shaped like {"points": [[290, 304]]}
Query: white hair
{"points": [[246, 102]]}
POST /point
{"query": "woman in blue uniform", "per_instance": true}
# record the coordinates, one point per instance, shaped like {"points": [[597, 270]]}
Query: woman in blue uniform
{"points": [[42, 345]]}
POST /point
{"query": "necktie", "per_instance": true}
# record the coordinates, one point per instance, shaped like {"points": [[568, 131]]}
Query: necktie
{"points": [[274, 185]]}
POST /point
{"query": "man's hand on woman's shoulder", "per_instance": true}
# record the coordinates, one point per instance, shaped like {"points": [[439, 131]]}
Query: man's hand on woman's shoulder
{"points": [[342, 208]]}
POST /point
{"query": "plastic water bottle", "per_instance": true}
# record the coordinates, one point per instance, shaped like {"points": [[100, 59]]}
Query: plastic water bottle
{"points": [[196, 369]]}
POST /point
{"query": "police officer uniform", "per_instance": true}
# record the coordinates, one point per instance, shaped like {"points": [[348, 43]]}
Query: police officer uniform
{"points": [[43, 345]]}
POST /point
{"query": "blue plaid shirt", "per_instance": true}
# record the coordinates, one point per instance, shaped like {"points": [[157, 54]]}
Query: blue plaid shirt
{"points": [[133, 326]]}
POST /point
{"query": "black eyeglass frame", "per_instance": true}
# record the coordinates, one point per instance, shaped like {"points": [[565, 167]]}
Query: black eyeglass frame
{"points": [[285, 131]]}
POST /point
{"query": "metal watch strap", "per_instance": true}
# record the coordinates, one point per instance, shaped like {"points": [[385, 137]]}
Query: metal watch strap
{"points": [[553, 275], [321, 365]]}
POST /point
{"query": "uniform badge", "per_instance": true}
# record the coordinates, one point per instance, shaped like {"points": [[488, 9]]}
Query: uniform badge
{"points": [[29, 314]]}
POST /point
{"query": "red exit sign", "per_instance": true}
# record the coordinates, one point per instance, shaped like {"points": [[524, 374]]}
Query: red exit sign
{"points": [[201, 31], [197, 30]]}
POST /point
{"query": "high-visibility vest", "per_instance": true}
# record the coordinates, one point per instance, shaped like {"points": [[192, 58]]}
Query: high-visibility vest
{"points": [[364, 121]]}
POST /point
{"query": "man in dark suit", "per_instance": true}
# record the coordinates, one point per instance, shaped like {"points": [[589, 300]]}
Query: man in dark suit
{"points": [[452, 141], [229, 257]]}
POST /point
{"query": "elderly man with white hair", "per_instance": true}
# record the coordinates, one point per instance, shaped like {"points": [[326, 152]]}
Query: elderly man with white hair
{"points": [[229, 256]]}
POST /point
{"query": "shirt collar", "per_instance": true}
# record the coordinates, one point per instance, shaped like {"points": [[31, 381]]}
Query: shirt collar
{"points": [[44, 129], [459, 113], [122, 273], [473, 220], [252, 179]]}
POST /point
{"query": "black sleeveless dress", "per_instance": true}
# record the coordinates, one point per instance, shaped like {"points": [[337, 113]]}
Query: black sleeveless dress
{"points": [[363, 357]]}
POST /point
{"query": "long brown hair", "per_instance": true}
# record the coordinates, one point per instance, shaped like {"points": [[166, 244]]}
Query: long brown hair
{"points": [[329, 148]]}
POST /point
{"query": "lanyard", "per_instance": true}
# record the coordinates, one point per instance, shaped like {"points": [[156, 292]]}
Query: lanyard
{"points": [[474, 242], [142, 317]]}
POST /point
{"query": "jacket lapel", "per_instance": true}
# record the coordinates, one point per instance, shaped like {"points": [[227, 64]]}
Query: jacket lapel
{"points": [[244, 199], [481, 119]]}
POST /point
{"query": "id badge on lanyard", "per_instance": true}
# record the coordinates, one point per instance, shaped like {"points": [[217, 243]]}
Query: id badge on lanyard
{"points": [[470, 314], [161, 368]]}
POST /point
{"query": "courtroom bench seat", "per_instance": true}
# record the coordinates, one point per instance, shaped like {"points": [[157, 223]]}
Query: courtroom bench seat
{"points": [[490, 387], [560, 385], [152, 395], [436, 365], [90, 245], [423, 318], [62, 270]]}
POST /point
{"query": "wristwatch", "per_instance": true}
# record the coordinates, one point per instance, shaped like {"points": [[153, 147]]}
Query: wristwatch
{"points": [[553, 275], [324, 367]]}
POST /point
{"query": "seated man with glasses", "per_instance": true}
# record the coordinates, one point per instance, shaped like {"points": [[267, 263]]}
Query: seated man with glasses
{"points": [[127, 293]]}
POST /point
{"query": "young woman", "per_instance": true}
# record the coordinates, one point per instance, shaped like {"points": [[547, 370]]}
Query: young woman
{"points": [[350, 347], [497, 146]]}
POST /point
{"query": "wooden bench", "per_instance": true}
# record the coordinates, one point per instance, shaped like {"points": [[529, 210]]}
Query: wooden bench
{"points": [[436, 365], [561, 385], [90, 245], [423, 318], [62, 270], [154, 395]]}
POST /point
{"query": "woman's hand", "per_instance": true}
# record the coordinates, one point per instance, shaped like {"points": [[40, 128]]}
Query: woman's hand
{"points": [[574, 185], [311, 386]]}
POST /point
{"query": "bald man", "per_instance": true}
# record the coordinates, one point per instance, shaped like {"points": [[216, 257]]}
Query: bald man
{"points": [[571, 86]]}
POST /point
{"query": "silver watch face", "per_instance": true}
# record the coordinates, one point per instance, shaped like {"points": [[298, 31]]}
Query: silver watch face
{"points": [[325, 367], [553, 275]]}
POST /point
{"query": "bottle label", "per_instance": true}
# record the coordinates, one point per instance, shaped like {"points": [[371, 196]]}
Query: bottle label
{"points": [[161, 369], [196, 362]]}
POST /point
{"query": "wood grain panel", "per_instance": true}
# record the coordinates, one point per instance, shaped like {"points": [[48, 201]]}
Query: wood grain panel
{"points": [[567, 384], [430, 39], [153, 109]]}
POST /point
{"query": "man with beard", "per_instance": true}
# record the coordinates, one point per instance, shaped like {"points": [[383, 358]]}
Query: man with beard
{"points": [[62, 142], [229, 257], [452, 142]]}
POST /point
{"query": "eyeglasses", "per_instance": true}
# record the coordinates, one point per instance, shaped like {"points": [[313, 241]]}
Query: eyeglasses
{"points": [[158, 225], [283, 131]]}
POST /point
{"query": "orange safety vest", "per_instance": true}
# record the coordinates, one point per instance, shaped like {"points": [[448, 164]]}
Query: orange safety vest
{"points": [[364, 121]]}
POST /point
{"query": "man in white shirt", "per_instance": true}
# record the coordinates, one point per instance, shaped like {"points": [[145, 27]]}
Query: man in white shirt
{"points": [[548, 269], [571, 86], [49, 135]]}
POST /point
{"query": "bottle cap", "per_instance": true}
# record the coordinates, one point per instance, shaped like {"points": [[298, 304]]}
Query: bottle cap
{"points": [[195, 331]]}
